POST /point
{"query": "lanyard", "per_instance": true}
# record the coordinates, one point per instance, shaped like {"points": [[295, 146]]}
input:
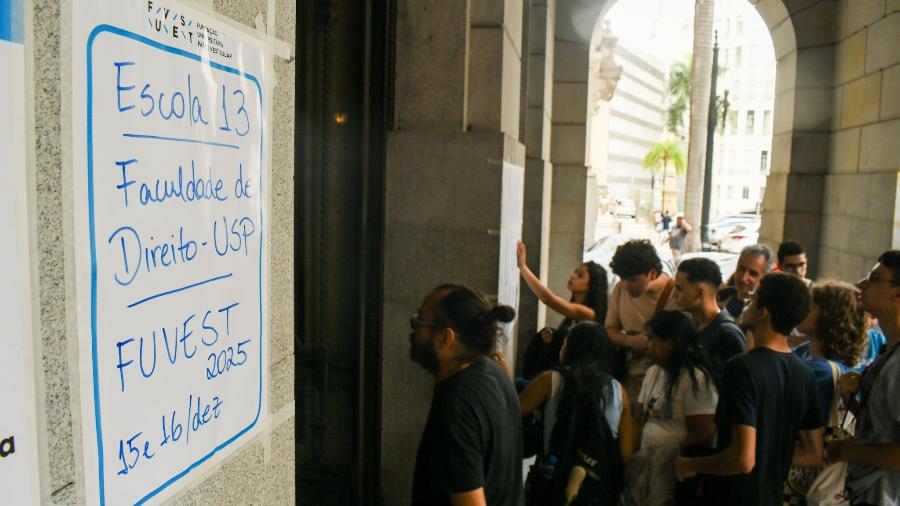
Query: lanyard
{"points": [[874, 372]]}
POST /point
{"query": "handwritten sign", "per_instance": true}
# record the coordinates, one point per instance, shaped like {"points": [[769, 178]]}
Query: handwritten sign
{"points": [[18, 443], [510, 234], [170, 192]]}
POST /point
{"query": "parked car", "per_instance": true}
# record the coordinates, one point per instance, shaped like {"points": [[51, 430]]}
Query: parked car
{"points": [[722, 226], [740, 236], [626, 207]]}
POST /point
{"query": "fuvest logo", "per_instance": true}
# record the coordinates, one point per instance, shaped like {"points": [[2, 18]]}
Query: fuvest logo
{"points": [[7, 446]]}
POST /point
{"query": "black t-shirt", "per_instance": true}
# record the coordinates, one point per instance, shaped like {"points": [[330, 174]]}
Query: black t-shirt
{"points": [[472, 439], [735, 307], [776, 394], [722, 339]]}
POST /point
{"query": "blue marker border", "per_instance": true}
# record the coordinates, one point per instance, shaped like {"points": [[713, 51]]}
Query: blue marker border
{"points": [[90, 175], [12, 21]]}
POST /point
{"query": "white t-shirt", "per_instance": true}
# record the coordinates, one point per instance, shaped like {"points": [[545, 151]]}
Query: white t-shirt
{"points": [[665, 419]]}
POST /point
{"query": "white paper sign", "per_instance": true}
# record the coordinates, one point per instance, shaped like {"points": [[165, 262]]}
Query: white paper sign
{"points": [[511, 212], [170, 174], [18, 443]]}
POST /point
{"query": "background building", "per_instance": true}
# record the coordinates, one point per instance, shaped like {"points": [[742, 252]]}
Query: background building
{"points": [[743, 144]]}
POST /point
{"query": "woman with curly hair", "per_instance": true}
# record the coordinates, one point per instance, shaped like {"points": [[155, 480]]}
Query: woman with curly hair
{"points": [[837, 334], [836, 328], [588, 285]]}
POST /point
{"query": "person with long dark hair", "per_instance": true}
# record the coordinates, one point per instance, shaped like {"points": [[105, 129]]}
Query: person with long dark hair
{"points": [[588, 285], [471, 449], [676, 406], [588, 431]]}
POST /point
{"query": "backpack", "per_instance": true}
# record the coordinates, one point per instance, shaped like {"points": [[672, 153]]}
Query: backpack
{"points": [[581, 437]]}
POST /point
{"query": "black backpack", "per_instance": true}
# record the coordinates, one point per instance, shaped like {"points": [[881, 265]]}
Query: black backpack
{"points": [[581, 437]]}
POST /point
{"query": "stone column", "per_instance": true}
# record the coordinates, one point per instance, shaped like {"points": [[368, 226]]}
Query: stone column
{"points": [[568, 156], [860, 212], [538, 171], [453, 161], [792, 205]]}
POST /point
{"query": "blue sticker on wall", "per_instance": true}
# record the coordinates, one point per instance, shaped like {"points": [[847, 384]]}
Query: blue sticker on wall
{"points": [[11, 21]]}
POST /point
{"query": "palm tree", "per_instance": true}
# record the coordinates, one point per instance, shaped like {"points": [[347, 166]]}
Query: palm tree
{"points": [[660, 156], [700, 84], [678, 87]]}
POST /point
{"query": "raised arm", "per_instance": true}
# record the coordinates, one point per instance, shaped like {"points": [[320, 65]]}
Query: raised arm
{"points": [[573, 310]]}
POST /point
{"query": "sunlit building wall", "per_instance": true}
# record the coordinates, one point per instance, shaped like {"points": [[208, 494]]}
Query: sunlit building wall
{"points": [[635, 124], [743, 146]]}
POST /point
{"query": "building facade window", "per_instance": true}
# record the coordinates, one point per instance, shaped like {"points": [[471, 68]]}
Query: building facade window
{"points": [[732, 122], [764, 162], [767, 122], [751, 122], [737, 57], [746, 193]]}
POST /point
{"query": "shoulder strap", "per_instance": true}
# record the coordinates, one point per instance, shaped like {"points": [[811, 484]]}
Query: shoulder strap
{"points": [[873, 370], [835, 395], [664, 296]]}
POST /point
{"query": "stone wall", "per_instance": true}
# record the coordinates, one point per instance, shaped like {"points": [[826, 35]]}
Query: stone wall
{"points": [[860, 212], [457, 93], [262, 471]]}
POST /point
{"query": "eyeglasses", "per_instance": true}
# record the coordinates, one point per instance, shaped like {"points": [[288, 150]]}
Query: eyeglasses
{"points": [[415, 321], [872, 278]]}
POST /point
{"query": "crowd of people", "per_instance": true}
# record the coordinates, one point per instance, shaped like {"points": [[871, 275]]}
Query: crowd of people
{"points": [[761, 389]]}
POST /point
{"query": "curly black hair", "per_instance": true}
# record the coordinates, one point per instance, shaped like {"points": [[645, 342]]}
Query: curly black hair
{"points": [[841, 328], [635, 258]]}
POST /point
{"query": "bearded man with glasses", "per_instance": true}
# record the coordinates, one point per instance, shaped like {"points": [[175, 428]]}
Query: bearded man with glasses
{"points": [[873, 453], [471, 449]]}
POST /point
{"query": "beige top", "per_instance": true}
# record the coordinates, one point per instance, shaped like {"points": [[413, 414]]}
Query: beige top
{"points": [[630, 314]]}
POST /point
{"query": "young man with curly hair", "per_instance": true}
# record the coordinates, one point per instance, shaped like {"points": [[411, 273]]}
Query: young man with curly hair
{"points": [[643, 290]]}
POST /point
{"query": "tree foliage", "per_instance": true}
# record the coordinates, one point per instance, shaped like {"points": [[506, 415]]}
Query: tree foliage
{"points": [[678, 87], [661, 155]]}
